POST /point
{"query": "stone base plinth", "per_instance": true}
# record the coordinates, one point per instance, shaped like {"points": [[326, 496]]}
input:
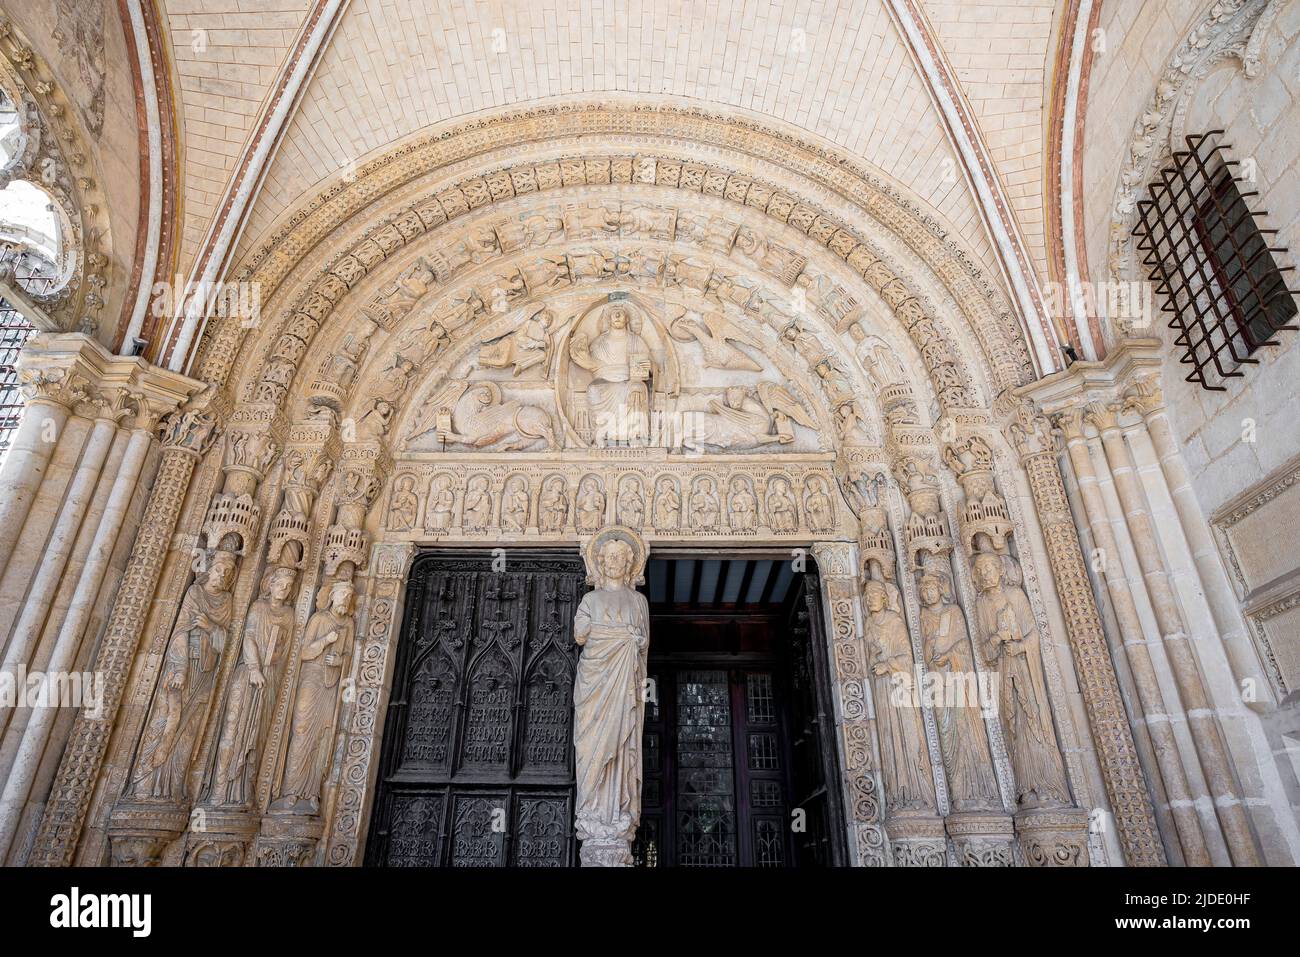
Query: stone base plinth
{"points": [[1053, 838], [917, 840], [982, 838]]}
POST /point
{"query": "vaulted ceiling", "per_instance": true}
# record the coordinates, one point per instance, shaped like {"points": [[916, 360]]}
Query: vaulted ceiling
{"points": [[271, 101]]}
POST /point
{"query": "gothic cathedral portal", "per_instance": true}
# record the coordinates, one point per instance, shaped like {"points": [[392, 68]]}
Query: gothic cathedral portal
{"points": [[738, 751]]}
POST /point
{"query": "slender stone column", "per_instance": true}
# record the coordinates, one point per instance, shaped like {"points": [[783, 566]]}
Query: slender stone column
{"points": [[1154, 708], [351, 812], [1030, 435], [49, 564], [36, 734], [50, 395], [1146, 399], [187, 435], [1200, 714]]}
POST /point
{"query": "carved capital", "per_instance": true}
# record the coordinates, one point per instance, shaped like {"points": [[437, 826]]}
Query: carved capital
{"points": [[1054, 838], [1102, 415], [1070, 422], [1144, 397], [51, 385], [191, 431], [390, 560], [249, 449], [835, 559], [1026, 428]]}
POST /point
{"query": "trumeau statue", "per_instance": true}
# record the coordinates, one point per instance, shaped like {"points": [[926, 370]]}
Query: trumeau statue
{"points": [[326, 647], [947, 649], [612, 626], [905, 759], [189, 672], [1009, 642], [267, 634]]}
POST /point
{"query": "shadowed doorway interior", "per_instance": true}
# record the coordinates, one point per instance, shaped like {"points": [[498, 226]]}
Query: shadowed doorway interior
{"points": [[739, 740]]}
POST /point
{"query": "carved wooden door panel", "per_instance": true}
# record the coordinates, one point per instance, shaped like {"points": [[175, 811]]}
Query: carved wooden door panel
{"points": [[477, 763]]}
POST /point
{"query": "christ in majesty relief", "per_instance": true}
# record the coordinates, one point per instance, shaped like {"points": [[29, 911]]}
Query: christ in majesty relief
{"points": [[613, 627], [618, 398]]}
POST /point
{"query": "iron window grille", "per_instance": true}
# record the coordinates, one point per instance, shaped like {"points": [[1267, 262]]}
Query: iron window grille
{"points": [[1211, 260]]}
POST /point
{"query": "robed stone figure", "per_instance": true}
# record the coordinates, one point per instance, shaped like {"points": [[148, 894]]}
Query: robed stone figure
{"points": [[962, 741], [326, 646], [189, 672], [612, 626], [253, 686], [909, 785], [1009, 641], [622, 368]]}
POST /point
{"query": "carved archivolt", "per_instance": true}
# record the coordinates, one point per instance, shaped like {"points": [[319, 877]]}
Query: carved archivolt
{"points": [[1005, 348], [489, 283]]}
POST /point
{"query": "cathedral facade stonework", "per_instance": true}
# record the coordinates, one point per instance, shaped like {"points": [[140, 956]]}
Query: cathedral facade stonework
{"points": [[618, 328]]}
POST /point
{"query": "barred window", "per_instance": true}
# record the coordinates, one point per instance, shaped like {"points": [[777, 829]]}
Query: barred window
{"points": [[1225, 290]]}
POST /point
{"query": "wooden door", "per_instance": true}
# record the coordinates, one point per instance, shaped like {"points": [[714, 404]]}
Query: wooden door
{"points": [[477, 763]]}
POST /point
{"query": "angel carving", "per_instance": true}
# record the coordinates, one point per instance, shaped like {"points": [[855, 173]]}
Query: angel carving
{"points": [[714, 334], [745, 420], [476, 415]]}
